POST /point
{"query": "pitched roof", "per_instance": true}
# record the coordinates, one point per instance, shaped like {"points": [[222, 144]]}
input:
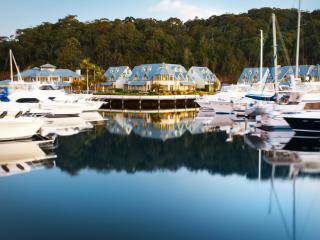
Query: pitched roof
{"points": [[201, 73], [149, 70], [250, 75], [37, 72], [116, 72]]}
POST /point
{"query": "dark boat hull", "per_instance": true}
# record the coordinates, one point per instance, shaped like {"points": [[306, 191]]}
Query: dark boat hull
{"points": [[307, 125]]}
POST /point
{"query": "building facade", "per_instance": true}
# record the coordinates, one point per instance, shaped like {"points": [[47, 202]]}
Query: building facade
{"points": [[49, 73], [203, 77], [117, 77], [252, 75], [168, 77]]}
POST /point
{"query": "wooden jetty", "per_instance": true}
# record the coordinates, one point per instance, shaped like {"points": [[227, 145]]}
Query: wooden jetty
{"points": [[148, 102]]}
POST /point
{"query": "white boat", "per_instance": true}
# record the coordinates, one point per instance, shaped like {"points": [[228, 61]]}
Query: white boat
{"points": [[64, 126], [38, 103], [19, 128], [22, 157], [223, 102]]}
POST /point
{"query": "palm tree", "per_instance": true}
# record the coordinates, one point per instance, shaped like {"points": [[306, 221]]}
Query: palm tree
{"points": [[87, 65]]}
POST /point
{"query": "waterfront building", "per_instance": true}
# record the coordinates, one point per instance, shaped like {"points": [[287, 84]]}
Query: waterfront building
{"points": [[252, 75], [315, 73], [287, 73], [49, 73], [169, 77], [117, 77], [203, 77]]}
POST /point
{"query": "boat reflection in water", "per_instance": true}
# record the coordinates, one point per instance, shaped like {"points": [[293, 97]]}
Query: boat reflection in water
{"points": [[25, 156], [299, 155], [187, 174]]}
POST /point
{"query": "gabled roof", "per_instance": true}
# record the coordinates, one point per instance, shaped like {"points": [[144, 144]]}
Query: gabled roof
{"points": [[150, 70], [37, 72], [116, 72], [315, 72], [286, 71], [205, 73], [248, 75]]}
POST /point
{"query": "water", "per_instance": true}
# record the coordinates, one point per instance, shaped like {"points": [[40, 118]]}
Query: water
{"points": [[166, 176]]}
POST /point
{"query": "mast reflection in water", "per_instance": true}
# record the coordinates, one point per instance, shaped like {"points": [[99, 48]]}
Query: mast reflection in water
{"points": [[182, 175]]}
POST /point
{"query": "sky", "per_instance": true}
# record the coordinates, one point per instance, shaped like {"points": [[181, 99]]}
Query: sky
{"points": [[17, 14]]}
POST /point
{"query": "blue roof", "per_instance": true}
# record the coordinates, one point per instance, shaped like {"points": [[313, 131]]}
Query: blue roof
{"points": [[5, 82], [137, 83], [36, 72], [201, 73], [146, 72], [116, 72], [285, 72], [107, 84], [250, 75], [315, 71]]}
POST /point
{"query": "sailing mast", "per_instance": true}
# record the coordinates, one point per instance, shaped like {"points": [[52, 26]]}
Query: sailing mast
{"points": [[261, 55], [275, 55], [11, 67], [13, 60], [298, 41]]}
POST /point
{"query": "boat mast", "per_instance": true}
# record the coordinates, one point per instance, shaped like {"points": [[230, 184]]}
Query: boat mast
{"points": [[261, 55], [298, 40], [275, 55], [11, 67], [17, 67]]}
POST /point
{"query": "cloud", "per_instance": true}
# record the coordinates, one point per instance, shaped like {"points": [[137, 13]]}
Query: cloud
{"points": [[182, 9]]}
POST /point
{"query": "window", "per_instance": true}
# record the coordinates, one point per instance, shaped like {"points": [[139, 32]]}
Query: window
{"points": [[28, 100], [171, 78], [46, 87], [164, 77], [136, 77]]}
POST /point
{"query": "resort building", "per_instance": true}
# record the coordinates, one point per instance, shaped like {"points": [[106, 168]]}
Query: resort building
{"points": [[49, 73], [252, 75], [203, 77], [287, 73], [169, 77], [117, 77]]}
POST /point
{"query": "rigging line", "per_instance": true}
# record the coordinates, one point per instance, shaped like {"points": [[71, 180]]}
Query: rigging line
{"points": [[314, 200], [281, 212], [283, 45]]}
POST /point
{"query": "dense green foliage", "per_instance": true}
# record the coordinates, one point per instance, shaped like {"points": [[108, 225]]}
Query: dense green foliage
{"points": [[224, 43]]}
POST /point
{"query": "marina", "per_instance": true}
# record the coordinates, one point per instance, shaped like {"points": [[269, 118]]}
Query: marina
{"points": [[162, 129]]}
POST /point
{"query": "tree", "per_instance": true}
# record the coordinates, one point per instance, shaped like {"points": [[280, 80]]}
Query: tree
{"points": [[70, 55]]}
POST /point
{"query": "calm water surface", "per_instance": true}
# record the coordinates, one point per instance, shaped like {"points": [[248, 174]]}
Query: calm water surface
{"points": [[164, 176]]}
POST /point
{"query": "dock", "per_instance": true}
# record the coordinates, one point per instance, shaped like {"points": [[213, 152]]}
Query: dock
{"points": [[148, 102]]}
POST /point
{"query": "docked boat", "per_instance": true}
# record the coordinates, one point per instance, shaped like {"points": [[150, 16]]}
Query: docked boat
{"points": [[304, 122], [19, 157], [223, 102], [19, 128]]}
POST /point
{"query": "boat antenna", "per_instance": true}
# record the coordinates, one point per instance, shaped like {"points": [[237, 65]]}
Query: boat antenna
{"points": [[298, 40]]}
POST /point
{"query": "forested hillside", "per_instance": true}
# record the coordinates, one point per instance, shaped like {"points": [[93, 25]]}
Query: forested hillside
{"points": [[225, 43]]}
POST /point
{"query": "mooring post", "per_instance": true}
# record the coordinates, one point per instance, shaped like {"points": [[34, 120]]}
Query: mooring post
{"points": [[159, 102], [140, 103], [122, 103]]}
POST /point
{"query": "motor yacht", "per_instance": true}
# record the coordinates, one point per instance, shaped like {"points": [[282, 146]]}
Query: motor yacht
{"points": [[19, 128], [223, 102]]}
